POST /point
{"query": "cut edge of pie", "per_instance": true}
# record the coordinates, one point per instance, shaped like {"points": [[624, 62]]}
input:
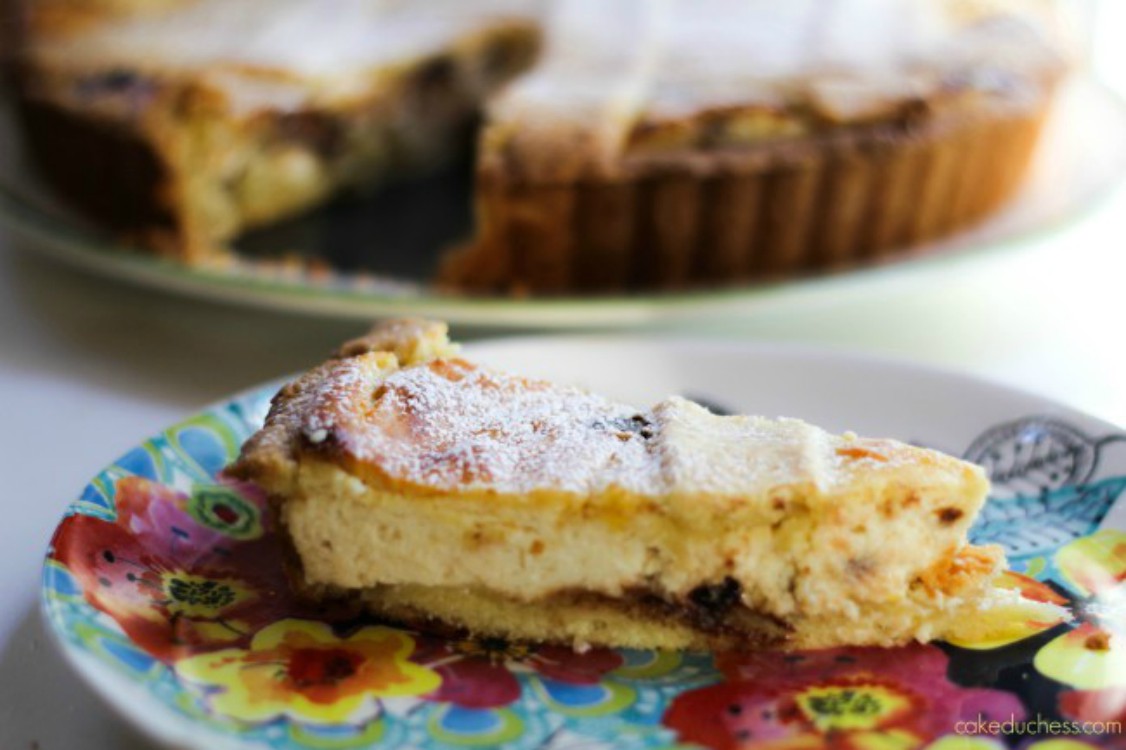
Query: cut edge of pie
{"points": [[204, 136], [443, 496]]}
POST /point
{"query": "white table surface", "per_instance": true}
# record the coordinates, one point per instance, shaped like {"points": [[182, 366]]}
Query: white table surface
{"points": [[89, 367]]}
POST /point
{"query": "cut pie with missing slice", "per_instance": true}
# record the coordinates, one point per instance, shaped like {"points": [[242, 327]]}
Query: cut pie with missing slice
{"points": [[633, 144], [442, 494]]}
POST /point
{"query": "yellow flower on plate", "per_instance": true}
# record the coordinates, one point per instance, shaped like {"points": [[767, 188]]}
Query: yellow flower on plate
{"points": [[851, 707], [1095, 565], [1014, 624], [1093, 655], [1087, 658], [303, 670], [189, 595]]}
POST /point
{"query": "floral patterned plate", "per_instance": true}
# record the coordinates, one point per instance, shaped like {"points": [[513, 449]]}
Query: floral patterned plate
{"points": [[164, 587]]}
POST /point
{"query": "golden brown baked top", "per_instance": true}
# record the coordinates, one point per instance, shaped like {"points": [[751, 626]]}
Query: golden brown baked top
{"points": [[397, 411], [641, 78]]}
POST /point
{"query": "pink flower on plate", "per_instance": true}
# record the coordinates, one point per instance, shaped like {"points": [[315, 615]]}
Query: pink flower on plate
{"points": [[179, 573], [481, 672], [1106, 706], [845, 699]]}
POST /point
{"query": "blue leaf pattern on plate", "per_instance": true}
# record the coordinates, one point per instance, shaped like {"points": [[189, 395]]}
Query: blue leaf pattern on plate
{"points": [[1035, 525]]}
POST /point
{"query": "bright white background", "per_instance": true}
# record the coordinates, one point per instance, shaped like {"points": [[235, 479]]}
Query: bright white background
{"points": [[89, 367]]}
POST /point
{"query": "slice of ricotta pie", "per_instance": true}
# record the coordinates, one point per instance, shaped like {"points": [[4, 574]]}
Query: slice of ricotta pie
{"points": [[441, 494]]}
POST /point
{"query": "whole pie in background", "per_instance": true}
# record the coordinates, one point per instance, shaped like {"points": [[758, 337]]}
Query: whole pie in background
{"points": [[633, 144]]}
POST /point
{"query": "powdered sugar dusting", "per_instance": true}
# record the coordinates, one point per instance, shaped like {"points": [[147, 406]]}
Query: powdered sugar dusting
{"points": [[398, 406], [316, 406], [448, 425], [685, 57], [728, 455]]}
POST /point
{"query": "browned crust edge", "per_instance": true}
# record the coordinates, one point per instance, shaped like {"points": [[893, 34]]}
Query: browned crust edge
{"points": [[118, 145], [270, 456], [78, 157], [775, 211], [767, 635]]}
